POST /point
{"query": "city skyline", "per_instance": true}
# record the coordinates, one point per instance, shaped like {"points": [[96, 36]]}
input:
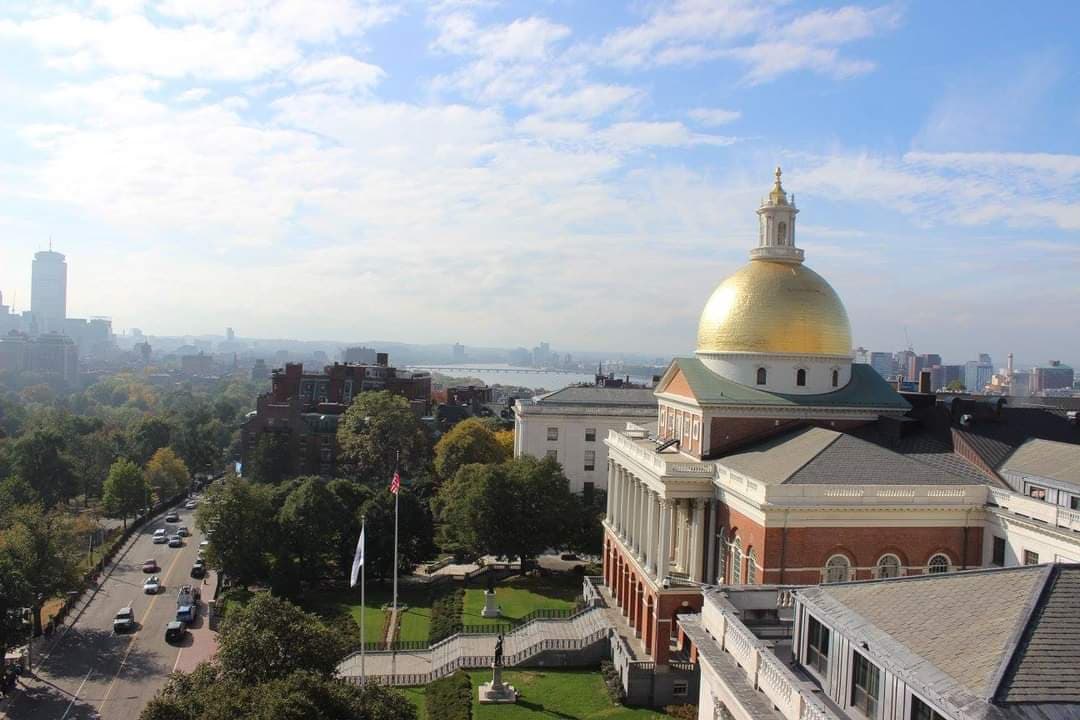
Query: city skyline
{"points": [[452, 162]]}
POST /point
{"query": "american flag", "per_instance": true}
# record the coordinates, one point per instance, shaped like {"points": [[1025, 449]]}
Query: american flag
{"points": [[395, 484]]}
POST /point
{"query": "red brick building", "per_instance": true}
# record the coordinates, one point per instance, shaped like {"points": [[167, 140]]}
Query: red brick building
{"points": [[305, 407]]}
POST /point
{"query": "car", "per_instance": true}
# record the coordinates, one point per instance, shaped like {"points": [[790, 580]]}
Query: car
{"points": [[182, 531], [175, 631], [150, 566], [172, 517], [187, 613], [152, 585], [191, 505], [198, 570], [124, 620], [176, 541], [569, 557], [159, 536], [204, 544]]}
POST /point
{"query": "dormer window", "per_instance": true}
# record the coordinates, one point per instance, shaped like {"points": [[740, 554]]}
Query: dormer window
{"points": [[762, 376], [836, 378], [800, 377]]}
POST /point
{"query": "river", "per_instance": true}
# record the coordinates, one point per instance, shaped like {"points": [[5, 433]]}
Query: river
{"points": [[500, 374]]}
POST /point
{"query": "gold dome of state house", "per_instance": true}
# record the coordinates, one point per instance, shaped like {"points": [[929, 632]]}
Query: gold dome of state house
{"points": [[775, 307]]}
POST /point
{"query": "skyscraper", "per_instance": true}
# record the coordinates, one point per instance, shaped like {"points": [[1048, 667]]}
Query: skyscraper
{"points": [[48, 291]]}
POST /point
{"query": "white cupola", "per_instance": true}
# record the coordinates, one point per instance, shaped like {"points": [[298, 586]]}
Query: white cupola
{"points": [[776, 218]]}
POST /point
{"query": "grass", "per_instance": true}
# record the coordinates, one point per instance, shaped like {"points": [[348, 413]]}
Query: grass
{"points": [[415, 621], [415, 695], [577, 694], [520, 595]]}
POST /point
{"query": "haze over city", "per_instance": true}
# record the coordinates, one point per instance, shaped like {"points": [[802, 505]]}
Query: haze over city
{"points": [[500, 173]]}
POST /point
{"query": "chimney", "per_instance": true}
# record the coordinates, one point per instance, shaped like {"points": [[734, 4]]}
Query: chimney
{"points": [[382, 359], [925, 382], [899, 383]]}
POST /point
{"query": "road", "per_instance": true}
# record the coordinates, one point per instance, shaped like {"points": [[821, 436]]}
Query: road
{"points": [[92, 672]]}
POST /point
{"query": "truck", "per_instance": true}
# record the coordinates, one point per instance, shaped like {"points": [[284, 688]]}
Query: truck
{"points": [[187, 603]]}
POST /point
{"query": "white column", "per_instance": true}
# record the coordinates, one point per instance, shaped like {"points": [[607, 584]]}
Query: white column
{"points": [[664, 548], [650, 530], [697, 529], [610, 490], [637, 517], [621, 475], [628, 500], [710, 546]]}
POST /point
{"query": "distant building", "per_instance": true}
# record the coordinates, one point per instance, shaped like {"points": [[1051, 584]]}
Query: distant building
{"points": [[229, 335], [903, 364], [359, 356], [260, 371], [1052, 377], [305, 407], [200, 364], [977, 375], [94, 336], [459, 353], [884, 364], [571, 425], [48, 291], [48, 354], [145, 351]]}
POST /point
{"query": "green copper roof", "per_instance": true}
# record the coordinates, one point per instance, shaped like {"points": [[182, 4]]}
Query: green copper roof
{"points": [[867, 389]]}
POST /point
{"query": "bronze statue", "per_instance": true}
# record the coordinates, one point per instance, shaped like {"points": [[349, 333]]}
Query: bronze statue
{"points": [[499, 650]]}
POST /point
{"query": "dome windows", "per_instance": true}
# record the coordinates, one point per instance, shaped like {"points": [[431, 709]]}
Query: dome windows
{"points": [[800, 377], [835, 378], [762, 376]]}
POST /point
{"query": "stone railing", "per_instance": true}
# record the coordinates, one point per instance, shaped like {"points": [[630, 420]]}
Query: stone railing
{"points": [[658, 462], [975, 495], [1036, 509], [590, 590]]}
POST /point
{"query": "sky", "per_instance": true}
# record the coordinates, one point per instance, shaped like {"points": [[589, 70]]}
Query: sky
{"points": [[582, 172]]}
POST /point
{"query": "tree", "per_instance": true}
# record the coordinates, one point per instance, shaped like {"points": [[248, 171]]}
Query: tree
{"points": [[955, 386], [39, 458], [376, 428], [271, 460], [240, 519], [148, 436], [415, 541], [167, 472], [587, 532], [125, 490], [505, 438], [42, 545], [470, 441], [269, 638], [15, 491], [312, 522], [521, 507], [15, 594]]}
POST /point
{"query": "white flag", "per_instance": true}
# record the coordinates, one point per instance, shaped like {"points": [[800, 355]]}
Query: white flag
{"points": [[358, 559]]}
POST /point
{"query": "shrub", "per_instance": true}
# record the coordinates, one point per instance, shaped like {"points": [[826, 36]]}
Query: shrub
{"points": [[682, 712], [612, 682], [446, 612], [450, 698]]}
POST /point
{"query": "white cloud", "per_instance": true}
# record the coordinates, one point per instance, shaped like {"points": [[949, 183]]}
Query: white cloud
{"points": [[660, 134], [193, 95], [341, 72], [528, 39], [714, 116]]}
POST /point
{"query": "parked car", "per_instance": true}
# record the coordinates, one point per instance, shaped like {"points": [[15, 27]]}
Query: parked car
{"points": [[191, 504], [172, 517], [160, 537], [152, 585], [198, 570], [175, 631], [182, 531], [204, 544], [124, 620], [176, 541], [150, 566]]}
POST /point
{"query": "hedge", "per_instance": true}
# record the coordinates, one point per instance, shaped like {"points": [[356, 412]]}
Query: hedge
{"points": [[450, 698], [446, 609]]}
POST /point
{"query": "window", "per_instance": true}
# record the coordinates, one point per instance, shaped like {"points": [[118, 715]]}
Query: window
{"points": [[836, 378], [866, 686], [922, 711], [837, 569], [800, 378], [751, 566], [680, 688], [1039, 493], [587, 491], [781, 232], [1074, 502], [1031, 558], [721, 557], [553, 434], [590, 460], [762, 376], [817, 646], [938, 564], [553, 454], [736, 562], [697, 428], [999, 552], [888, 566], [590, 434]]}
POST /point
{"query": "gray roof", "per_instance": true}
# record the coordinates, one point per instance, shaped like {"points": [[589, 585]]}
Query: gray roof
{"points": [[1046, 458], [818, 456], [590, 395], [1001, 643]]}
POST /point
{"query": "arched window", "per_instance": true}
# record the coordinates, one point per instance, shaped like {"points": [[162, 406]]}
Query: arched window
{"points": [[836, 378], [762, 376], [751, 567], [736, 562], [837, 569], [800, 377], [938, 564], [888, 566], [721, 557], [781, 233]]}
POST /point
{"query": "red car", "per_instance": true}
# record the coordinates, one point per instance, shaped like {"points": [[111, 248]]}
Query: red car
{"points": [[150, 566]]}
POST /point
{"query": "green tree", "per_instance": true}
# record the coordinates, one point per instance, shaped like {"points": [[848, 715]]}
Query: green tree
{"points": [[520, 507], [955, 386], [415, 533], [374, 431], [271, 460], [312, 523], [15, 594], [39, 457], [240, 519], [167, 472], [125, 490], [470, 441], [148, 436], [44, 549], [15, 491]]}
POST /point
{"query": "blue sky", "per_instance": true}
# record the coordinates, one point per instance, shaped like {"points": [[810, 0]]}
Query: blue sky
{"points": [[582, 172]]}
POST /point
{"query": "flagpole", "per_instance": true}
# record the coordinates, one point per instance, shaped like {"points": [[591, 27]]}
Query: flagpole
{"points": [[363, 610], [395, 549], [394, 614]]}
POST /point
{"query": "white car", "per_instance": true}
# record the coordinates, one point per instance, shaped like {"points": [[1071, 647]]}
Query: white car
{"points": [[160, 537], [190, 504], [152, 585]]}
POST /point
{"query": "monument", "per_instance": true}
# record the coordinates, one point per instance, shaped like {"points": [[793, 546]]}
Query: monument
{"points": [[491, 608], [497, 691]]}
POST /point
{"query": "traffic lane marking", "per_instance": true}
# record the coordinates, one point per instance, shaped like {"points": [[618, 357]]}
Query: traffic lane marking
{"points": [[77, 692]]}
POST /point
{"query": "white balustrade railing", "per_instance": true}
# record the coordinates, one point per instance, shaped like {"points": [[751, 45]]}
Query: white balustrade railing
{"points": [[1036, 509]]}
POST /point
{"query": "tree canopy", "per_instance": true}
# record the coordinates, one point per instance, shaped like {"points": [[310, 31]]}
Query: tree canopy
{"points": [[167, 473], [470, 441], [42, 545], [39, 458], [376, 428], [125, 490], [239, 516]]}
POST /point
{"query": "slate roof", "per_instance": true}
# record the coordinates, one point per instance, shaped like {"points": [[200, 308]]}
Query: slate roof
{"points": [[1001, 643], [818, 456], [590, 395], [867, 389], [1046, 458]]}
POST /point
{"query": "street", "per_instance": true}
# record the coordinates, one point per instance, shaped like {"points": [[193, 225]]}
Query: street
{"points": [[92, 672]]}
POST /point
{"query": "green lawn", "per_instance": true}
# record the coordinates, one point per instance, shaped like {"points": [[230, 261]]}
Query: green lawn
{"points": [[415, 622], [520, 595], [415, 695], [577, 694]]}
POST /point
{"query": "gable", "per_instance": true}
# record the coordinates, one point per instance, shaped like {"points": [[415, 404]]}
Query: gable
{"points": [[677, 384]]}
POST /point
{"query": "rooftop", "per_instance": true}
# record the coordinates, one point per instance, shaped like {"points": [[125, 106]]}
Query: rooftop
{"points": [[1048, 459]]}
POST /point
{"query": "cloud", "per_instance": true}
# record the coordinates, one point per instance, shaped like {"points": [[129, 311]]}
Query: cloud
{"points": [[193, 95], [713, 117], [661, 134], [341, 72]]}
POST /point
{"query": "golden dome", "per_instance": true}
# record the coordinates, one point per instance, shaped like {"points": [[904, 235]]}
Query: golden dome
{"points": [[775, 307]]}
